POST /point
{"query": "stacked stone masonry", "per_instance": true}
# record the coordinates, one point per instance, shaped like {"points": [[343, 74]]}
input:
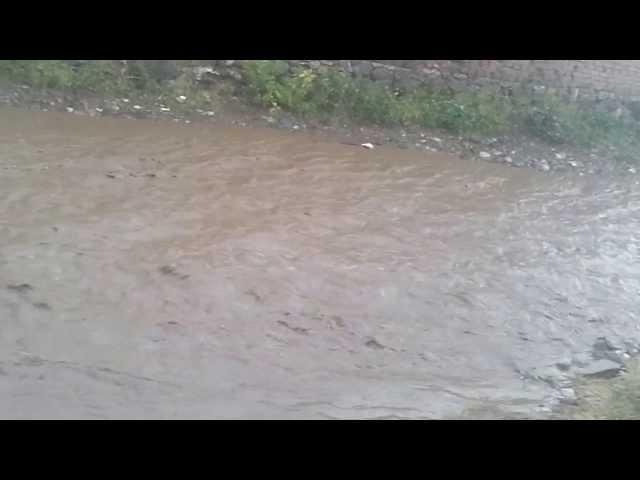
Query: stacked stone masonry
{"points": [[587, 80]]}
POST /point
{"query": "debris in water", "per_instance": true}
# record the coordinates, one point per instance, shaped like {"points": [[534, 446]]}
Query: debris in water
{"points": [[22, 288], [373, 343], [300, 330], [170, 270], [367, 145]]}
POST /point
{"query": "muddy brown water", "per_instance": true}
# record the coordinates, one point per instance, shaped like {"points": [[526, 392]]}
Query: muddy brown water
{"points": [[156, 270]]}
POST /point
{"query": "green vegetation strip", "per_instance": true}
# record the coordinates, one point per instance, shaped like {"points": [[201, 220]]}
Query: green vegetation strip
{"points": [[328, 95]]}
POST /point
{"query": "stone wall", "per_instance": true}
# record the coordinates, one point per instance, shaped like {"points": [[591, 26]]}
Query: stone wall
{"points": [[608, 83], [578, 79]]}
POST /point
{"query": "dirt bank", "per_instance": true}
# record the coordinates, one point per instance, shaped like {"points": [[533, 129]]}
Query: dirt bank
{"points": [[518, 151]]}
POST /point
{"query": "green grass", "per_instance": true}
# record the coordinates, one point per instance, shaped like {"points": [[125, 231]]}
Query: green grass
{"points": [[101, 77], [327, 93], [617, 399], [105, 77]]}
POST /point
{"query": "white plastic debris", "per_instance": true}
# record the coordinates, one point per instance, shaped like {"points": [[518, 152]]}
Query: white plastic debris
{"points": [[165, 109], [561, 156], [137, 107], [209, 114], [368, 145], [436, 139], [485, 155], [70, 109], [99, 110], [125, 100], [181, 99]]}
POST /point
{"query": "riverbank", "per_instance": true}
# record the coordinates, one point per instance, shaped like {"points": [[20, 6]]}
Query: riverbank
{"points": [[227, 100]]}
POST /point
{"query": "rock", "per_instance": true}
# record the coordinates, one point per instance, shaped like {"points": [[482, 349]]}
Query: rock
{"points": [[159, 70], [406, 81], [382, 75], [285, 123], [603, 349], [602, 95], [346, 66], [432, 73], [601, 369], [539, 89], [234, 74], [362, 69], [112, 107], [205, 75]]}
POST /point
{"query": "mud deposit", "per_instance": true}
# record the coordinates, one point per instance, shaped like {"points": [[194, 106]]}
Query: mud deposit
{"points": [[156, 270]]}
